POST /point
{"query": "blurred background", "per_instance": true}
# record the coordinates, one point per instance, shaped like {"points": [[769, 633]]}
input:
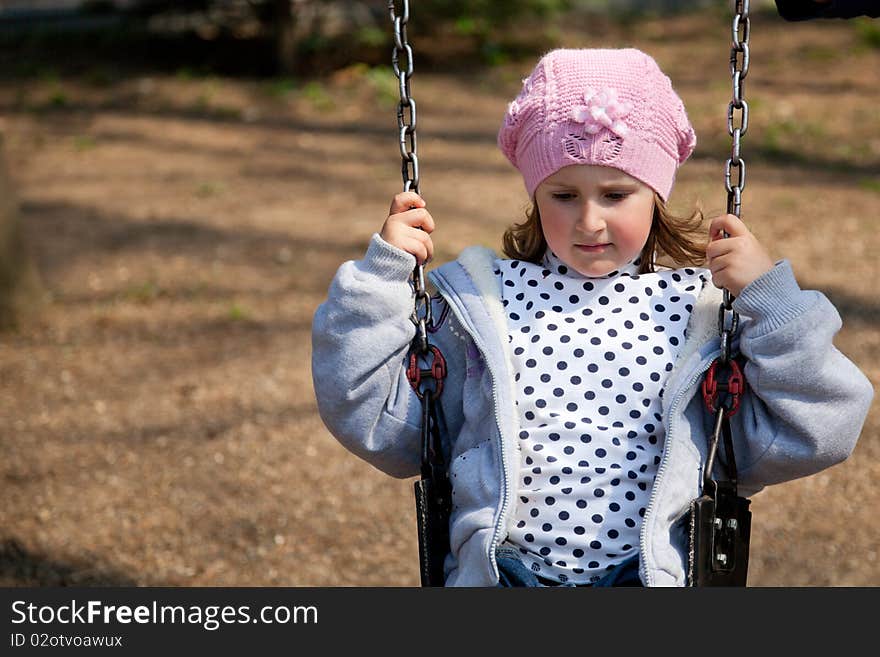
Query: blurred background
{"points": [[181, 180]]}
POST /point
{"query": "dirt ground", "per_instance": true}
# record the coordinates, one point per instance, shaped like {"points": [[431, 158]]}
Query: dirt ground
{"points": [[158, 420]]}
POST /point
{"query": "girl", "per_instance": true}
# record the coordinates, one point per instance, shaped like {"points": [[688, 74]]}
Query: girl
{"points": [[575, 431]]}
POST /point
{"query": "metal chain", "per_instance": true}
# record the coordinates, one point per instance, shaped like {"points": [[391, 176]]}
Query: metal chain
{"points": [[406, 108], [737, 113], [402, 63]]}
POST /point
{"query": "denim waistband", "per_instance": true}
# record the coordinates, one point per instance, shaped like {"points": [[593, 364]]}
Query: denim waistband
{"points": [[514, 573]]}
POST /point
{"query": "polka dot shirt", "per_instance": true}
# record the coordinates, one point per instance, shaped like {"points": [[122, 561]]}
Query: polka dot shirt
{"points": [[590, 357]]}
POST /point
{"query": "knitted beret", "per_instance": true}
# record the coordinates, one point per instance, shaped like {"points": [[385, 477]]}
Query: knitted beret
{"points": [[612, 108]]}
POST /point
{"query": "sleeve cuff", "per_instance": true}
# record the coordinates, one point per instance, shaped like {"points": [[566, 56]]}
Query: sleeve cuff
{"points": [[772, 299], [386, 260]]}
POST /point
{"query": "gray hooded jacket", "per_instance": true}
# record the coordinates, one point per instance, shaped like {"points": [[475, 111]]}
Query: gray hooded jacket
{"points": [[802, 412]]}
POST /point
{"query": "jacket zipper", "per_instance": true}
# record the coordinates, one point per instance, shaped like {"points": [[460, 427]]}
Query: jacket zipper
{"points": [[464, 320], [704, 366]]}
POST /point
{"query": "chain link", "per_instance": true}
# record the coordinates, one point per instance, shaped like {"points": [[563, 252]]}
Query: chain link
{"points": [[402, 64], [737, 126]]}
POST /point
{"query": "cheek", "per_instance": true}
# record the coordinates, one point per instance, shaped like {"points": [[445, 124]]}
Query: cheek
{"points": [[633, 232], [554, 229], [634, 235]]}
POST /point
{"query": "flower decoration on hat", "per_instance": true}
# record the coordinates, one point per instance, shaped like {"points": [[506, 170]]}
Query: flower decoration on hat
{"points": [[602, 111]]}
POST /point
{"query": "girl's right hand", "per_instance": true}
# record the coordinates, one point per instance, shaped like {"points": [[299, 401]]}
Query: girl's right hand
{"points": [[409, 226]]}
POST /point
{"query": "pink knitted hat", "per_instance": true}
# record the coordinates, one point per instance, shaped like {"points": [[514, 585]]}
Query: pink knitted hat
{"points": [[612, 108]]}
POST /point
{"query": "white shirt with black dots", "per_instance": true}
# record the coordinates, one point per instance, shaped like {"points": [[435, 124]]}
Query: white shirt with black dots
{"points": [[590, 357]]}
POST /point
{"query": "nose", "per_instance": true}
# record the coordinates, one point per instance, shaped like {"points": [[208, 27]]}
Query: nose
{"points": [[591, 218]]}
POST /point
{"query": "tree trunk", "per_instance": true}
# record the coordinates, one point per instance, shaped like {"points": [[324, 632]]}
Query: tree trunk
{"points": [[284, 27], [20, 288]]}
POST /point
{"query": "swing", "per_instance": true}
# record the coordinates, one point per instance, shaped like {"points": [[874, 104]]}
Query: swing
{"points": [[720, 520]]}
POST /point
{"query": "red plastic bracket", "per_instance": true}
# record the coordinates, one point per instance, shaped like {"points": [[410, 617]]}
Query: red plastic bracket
{"points": [[735, 385], [437, 371]]}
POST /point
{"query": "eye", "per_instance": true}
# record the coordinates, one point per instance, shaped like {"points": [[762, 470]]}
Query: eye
{"points": [[562, 196], [616, 196]]}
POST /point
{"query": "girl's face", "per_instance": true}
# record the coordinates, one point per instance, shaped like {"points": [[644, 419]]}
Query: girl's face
{"points": [[595, 219]]}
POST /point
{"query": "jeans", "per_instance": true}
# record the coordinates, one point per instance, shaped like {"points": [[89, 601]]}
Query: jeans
{"points": [[512, 572]]}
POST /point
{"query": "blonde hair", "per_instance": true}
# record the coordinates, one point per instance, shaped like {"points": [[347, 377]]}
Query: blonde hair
{"points": [[673, 240]]}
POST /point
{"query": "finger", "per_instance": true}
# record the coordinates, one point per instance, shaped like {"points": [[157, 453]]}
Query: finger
{"points": [[421, 249], [406, 200], [424, 237], [721, 246], [428, 243], [719, 278], [417, 218], [729, 223], [427, 221], [722, 220], [722, 264]]}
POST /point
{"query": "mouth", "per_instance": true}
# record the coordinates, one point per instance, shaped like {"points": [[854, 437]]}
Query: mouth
{"points": [[593, 248]]}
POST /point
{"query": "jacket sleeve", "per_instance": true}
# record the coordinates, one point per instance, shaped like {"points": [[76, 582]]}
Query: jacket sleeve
{"points": [[360, 338], [807, 401], [801, 10]]}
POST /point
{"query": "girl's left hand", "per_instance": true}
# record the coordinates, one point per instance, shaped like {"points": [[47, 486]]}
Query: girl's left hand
{"points": [[737, 260]]}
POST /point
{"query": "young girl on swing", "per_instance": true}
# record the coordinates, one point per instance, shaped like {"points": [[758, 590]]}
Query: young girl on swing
{"points": [[575, 431]]}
